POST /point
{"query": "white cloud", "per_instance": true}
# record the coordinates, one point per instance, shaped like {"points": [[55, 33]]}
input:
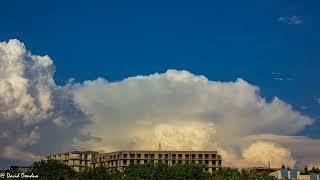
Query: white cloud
{"points": [[304, 149], [11, 152], [178, 109], [29, 102], [138, 112], [313, 164], [292, 20], [265, 152]]}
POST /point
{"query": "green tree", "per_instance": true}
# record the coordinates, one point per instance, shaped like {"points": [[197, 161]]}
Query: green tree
{"points": [[260, 176], [162, 171], [52, 170], [99, 173], [305, 171], [147, 171], [227, 173], [190, 171]]}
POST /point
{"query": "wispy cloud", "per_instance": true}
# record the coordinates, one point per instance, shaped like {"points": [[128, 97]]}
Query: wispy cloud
{"points": [[318, 100], [281, 76], [292, 20], [277, 73], [303, 107]]}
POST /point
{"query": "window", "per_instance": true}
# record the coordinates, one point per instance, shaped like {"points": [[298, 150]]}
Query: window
{"points": [[180, 162], [110, 157], [132, 156], [114, 156], [131, 161], [206, 156], [152, 156], [146, 156], [173, 162], [193, 156], [187, 156], [160, 156], [174, 156], [124, 162], [206, 163], [138, 161], [125, 156], [200, 156], [139, 156], [145, 161], [166, 156], [213, 156], [180, 156]]}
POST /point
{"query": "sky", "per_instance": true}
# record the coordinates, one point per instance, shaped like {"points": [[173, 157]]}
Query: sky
{"points": [[176, 72]]}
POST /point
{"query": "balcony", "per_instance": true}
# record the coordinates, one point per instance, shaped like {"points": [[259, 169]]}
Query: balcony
{"points": [[206, 156], [75, 156], [174, 156]]}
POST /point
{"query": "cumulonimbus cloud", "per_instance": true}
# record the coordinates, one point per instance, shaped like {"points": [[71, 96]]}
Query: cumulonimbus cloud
{"points": [[31, 104], [178, 109], [182, 110]]}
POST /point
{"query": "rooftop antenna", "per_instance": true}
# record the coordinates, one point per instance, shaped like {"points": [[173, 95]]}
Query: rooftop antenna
{"points": [[159, 146]]}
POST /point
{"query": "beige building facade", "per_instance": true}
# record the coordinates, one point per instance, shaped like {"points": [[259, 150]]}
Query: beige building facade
{"points": [[77, 160], [210, 159]]}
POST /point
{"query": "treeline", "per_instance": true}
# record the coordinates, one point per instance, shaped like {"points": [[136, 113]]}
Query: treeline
{"points": [[309, 171], [56, 170]]}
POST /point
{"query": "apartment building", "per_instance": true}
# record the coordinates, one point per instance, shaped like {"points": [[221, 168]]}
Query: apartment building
{"points": [[210, 159], [78, 160]]}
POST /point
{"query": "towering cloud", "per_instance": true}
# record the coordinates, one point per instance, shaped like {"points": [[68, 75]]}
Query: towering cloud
{"points": [[183, 110], [263, 153], [178, 109], [33, 109]]}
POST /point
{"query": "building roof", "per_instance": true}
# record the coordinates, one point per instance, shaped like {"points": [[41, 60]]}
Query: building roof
{"points": [[162, 151], [76, 152]]}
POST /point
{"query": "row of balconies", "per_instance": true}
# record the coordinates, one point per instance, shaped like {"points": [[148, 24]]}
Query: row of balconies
{"points": [[164, 156], [77, 163], [71, 156], [172, 162]]}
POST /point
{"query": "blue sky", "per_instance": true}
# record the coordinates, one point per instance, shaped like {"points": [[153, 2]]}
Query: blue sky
{"points": [[271, 44]]}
